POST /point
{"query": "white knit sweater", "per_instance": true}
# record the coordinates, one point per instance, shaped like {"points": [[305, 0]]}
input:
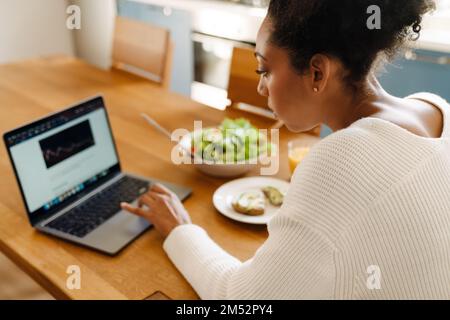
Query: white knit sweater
{"points": [[373, 194]]}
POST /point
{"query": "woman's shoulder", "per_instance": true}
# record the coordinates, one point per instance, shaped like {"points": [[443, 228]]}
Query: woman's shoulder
{"points": [[438, 113], [432, 98], [347, 171], [335, 182], [349, 145], [369, 143], [338, 178], [350, 169], [345, 152]]}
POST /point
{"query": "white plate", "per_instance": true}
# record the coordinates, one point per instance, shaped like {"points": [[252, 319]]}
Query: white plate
{"points": [[224, 196]]}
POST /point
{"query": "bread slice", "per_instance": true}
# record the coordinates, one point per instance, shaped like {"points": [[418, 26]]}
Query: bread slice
{"points": [[274, 195], [251, 203]]}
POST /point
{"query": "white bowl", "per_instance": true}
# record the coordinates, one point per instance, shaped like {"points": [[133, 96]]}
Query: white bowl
{"points": [[220, 170], [225, 170]]}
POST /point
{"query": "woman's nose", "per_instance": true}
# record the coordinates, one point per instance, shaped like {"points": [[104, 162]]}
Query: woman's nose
{"points": [[262, 89]]}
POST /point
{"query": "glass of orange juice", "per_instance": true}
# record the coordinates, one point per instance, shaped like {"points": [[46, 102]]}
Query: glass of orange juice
{"points": [[297, 151]]}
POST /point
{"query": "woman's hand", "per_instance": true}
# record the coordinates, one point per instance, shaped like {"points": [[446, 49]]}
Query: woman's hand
{"points": [[162, 208]]}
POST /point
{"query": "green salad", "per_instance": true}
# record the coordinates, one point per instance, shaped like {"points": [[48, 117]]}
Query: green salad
{"points": [[233, 141]]}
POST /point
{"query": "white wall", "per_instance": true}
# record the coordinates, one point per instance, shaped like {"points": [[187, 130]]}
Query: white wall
{"points": [[93, 41], [33, 28]]}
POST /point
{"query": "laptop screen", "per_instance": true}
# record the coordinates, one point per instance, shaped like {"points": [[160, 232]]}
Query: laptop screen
{"points": [[59, 158]]}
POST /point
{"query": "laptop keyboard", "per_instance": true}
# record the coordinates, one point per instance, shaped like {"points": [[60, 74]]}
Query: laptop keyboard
{"points": [[86, 217]]}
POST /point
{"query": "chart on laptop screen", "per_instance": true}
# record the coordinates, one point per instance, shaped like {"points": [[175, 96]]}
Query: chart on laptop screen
{"points": [[67, 143]]}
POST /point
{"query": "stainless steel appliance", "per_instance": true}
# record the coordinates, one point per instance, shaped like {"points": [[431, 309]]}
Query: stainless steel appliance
{"points": [[212, 68], [253, 3], [217, 29]]}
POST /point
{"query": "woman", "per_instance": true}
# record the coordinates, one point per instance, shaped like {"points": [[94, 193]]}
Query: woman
{"points": [[368, 211]]}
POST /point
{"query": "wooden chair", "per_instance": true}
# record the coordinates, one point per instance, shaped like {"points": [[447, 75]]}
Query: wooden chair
{"points": [[142, 49], [243, 83]]}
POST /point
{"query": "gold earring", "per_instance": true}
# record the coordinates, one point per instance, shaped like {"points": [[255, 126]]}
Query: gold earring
{"points": [[316, 89]]}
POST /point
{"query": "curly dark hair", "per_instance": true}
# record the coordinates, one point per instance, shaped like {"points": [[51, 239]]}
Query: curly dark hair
{"points": [[339, 28]]}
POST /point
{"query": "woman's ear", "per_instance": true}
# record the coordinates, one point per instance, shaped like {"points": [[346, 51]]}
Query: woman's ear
{"points": [[320, 68]]}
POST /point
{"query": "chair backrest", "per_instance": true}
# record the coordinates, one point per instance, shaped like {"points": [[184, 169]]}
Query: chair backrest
{"points": [[143, 49], [243, 81]]}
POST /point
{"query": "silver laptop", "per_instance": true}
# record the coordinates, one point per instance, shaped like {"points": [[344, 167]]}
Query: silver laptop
{"points": [[71, 181]]}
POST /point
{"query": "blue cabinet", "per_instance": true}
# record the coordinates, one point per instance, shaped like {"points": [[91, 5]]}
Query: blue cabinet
{"points": [[179, 23], [421, 71], [325, 131]]}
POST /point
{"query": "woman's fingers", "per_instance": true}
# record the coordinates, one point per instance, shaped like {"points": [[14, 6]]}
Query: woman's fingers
{"points": [[159, 188], [156, 197], [161, 208], [152, 200], [145, 200], [132, 209]]}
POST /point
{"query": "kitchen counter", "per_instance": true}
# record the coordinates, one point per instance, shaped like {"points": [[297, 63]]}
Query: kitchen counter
{"points": [[434, 40], [217, 18], [240, 22], [191, 5], [435, 35]]}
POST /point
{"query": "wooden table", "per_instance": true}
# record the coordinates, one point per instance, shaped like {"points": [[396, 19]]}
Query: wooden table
{"points": [[32, 89]]}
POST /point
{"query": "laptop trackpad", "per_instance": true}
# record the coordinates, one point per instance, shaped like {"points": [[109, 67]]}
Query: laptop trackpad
{"points": [[117, 231]]}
